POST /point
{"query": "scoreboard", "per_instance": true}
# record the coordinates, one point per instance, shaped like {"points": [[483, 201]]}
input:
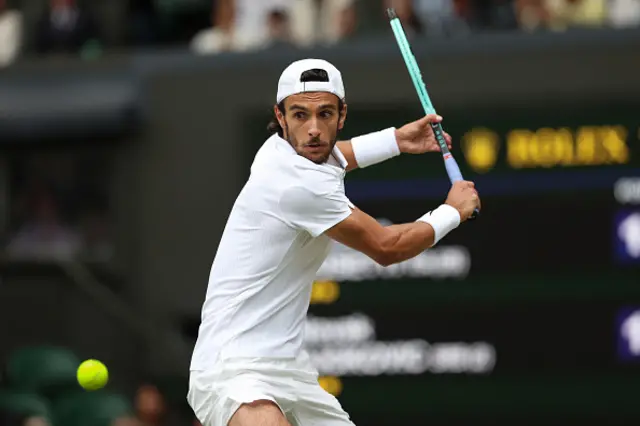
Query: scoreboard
{"points": [[535, 307], [514, 140], [530, 313]]}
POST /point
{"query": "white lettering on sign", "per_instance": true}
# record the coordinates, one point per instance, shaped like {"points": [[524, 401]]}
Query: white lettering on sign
{"points": [[346, 346], [627, 190], [345, 264]]}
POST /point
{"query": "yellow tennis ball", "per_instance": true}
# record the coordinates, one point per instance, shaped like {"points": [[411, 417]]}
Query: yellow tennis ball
{"points": [[92, 375]]}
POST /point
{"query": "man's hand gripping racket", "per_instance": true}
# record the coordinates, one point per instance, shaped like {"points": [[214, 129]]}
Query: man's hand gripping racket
{"points": [[414, 71]]}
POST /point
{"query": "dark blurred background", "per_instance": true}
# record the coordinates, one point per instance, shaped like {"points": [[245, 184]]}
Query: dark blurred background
{"points": [[127, 128]]}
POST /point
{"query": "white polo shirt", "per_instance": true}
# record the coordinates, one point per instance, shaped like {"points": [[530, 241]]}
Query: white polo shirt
{"points": [[272, 246]]}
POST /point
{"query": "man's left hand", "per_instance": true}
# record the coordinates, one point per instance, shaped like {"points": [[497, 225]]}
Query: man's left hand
{"points": [[417, 137]]}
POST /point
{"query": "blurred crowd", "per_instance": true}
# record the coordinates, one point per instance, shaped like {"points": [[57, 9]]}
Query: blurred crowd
{"points": [[59, 206], [87, 27]]}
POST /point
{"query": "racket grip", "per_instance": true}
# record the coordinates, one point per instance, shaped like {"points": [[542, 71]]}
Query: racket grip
{"points": [[450, 164], [452, 168], [454, 176]]}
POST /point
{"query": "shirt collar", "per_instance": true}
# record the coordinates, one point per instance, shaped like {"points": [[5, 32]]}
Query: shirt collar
{"points": [[336, 153]]}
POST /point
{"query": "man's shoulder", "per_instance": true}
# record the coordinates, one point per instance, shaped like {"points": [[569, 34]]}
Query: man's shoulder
{"points": [[301, 180], [275, 165]]}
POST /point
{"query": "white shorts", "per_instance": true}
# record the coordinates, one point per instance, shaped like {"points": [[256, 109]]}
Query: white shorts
{"points": [[292, 384]]}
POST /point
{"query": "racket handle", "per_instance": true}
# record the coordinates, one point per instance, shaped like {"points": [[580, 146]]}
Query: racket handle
{"points": [[449, 162], [453, 170], [454, 175]]}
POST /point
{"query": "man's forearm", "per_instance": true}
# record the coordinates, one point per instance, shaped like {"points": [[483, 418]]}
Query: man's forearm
{"points": [[396, 243], [406, 241]]}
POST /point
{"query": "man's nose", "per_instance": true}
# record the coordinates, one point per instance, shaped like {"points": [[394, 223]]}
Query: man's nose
{"points": [[314, 129]]}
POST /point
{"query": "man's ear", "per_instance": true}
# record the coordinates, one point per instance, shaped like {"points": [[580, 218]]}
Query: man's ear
{"points": [[343, 116], [279, 116]]}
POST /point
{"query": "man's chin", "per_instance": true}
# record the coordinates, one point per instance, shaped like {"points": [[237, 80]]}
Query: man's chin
{"points": [[316, 157]]}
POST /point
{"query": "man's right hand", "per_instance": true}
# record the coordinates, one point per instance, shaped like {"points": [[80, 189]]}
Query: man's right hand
{"points": [[464, 198]]}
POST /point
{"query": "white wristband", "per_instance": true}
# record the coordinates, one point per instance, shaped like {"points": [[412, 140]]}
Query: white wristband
{"points": [[444, 219], [375, 147]]}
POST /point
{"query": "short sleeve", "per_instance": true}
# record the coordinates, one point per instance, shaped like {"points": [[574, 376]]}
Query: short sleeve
{"points": [[314, 211]]}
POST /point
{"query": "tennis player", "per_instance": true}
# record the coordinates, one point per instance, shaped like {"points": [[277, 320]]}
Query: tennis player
{"points": [[249, 367]]}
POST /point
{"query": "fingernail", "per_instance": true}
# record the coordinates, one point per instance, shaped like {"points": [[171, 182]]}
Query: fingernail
{"points": [[438, 117]]}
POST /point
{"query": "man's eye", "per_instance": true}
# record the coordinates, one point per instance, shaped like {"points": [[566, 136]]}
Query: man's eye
{"points": [[326, 114], [299, 115]]}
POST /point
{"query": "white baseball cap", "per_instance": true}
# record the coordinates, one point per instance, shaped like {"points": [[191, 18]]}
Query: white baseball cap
{"points": [[290, 83]]}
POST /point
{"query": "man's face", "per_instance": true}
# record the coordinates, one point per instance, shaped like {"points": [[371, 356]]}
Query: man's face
{"points": [[311, 123]]}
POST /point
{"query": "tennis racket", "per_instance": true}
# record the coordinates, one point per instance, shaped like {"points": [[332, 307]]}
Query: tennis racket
{"points": [[453, 170]]}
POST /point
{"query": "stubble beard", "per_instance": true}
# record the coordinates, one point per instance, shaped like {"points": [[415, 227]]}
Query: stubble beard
{"points": [[298, 147]]}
